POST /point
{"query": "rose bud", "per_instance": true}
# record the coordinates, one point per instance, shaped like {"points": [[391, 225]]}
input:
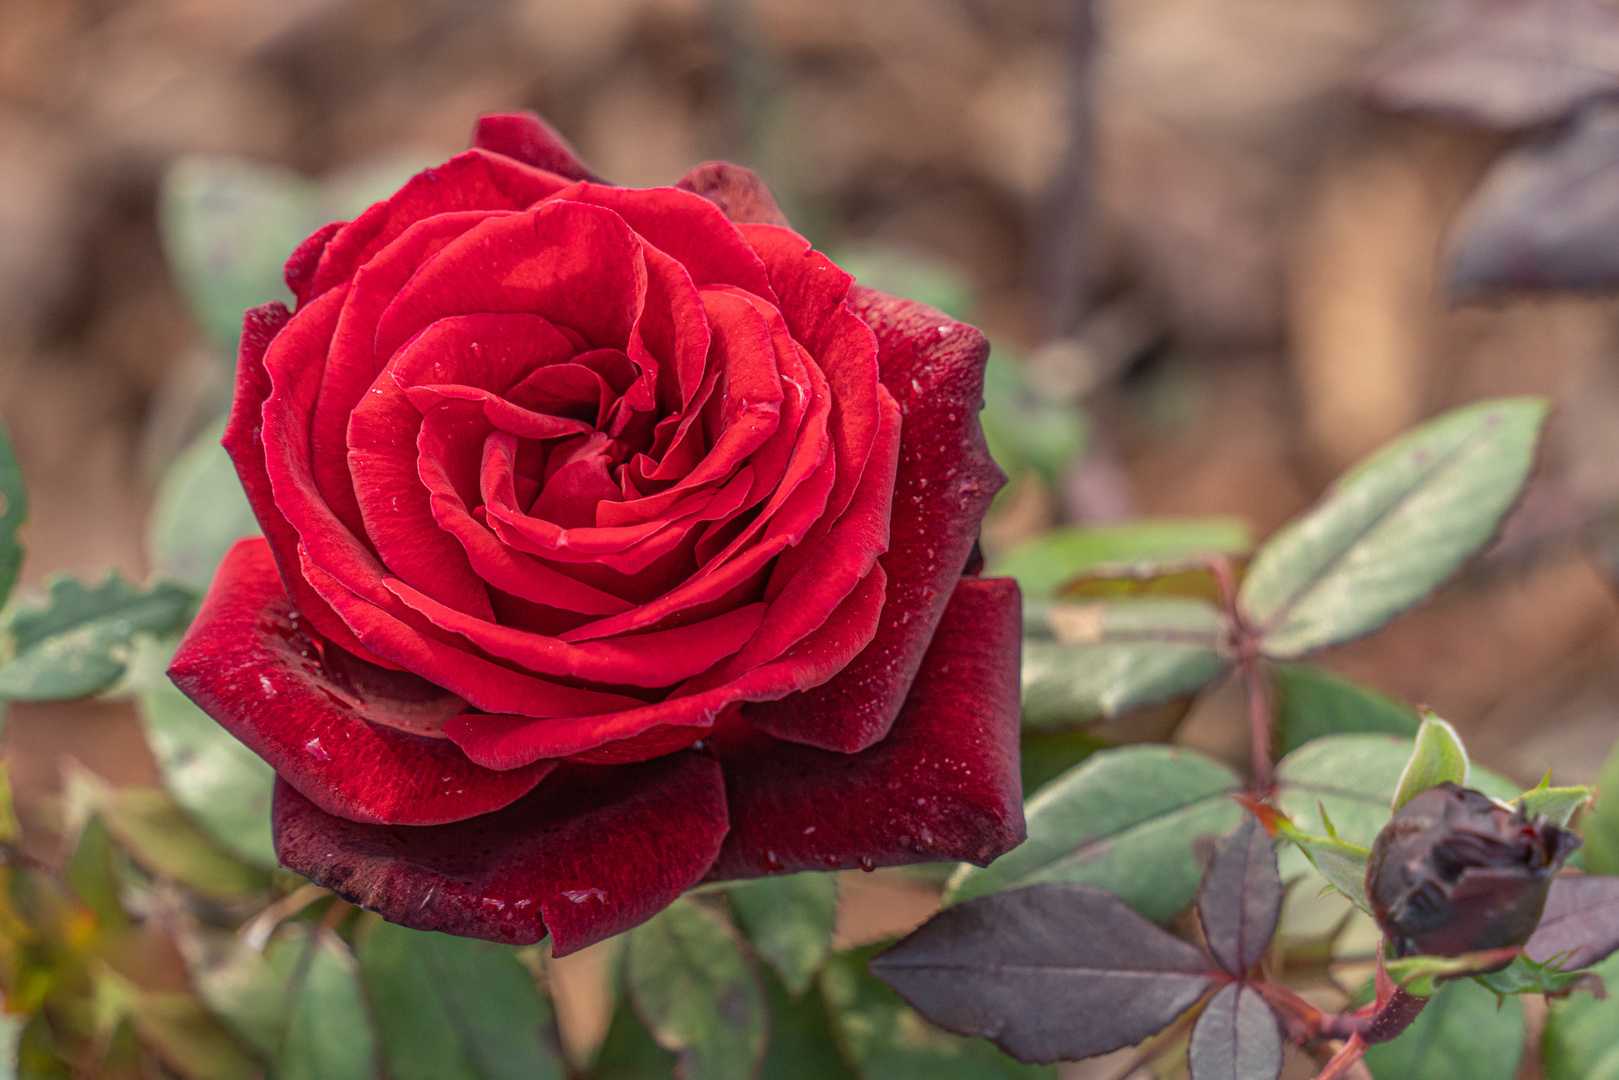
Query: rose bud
{"points": [[1455, 872], [614, 540]]}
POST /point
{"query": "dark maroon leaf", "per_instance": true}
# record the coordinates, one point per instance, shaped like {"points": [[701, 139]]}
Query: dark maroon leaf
{"points": [[1582, 919], [1240, 897], [1053, 972], [1236, 1038], [1546, 216], [1505, 64]]}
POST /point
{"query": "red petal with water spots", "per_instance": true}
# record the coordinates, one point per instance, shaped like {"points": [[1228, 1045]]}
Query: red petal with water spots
{"points": [[590, 853], [943, 785], [334, 727]]}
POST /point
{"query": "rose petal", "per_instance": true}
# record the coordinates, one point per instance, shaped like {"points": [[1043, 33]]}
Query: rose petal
{"points": [[247, 662], [475, 180], [934, 367], [578, 266], [505, 742], [244, 441], [662, 658], [300, 265], [738, 192], [688, 228], [528, 138], [589, 854], [943, 785], [350, 356]]}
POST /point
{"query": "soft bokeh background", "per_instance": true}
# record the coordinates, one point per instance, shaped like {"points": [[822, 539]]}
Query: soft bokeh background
{"points": [[1236, 257]]}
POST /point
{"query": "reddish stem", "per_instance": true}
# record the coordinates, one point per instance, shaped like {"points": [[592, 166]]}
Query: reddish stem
{"points": [[1245, 644]]}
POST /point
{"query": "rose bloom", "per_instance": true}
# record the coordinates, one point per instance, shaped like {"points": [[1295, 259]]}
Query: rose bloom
{"points": [[614, 541]]}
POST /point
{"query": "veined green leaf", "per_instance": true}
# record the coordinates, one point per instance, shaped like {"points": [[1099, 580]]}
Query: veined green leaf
{"points": [[694, 988], [1313, 702], [201, 510], [81, 641], [1392, 528], [1048, 560], [1114, 656], [1462, 1034], [328, 1036], [1354, 778], [1124, 820], [452, 1008], [789, 920], [1343, 864]]}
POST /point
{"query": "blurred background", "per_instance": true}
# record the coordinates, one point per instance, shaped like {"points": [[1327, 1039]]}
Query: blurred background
{"points": [[1210, 245]]}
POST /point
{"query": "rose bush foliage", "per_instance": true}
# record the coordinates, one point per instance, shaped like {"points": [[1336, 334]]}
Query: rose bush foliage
{"points": [[614, 540]]}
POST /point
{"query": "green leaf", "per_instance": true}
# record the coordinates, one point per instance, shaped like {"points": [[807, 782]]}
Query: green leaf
{"points": [[1600, 826], [802, 1046], [1557, 805], [692, 985], [225, 786], [1354, 777], [81, 642], [1422, 975], [1343, 864], [1392, 528], [1048, 560], [1582, 1034], [1123, 820], [1526, 976], [13, 512], [201, 510], [1119, 655], [1313, 702], [1437, 757], [789, 920], [1461, 1035], [328, 1034], [93, 874], [629, 1052], [1046, 755], [159, 836], [238, 984], [887, 1040], [228, 226], [189, 1040], [452, 1008]]}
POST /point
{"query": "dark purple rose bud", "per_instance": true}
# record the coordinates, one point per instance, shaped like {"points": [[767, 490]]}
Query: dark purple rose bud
{"points": [[1454, 872]]}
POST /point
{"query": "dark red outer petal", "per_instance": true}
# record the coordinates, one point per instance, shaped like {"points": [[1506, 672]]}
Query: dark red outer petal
{"points": [[299, 270], [528, 138], [934, 367], [250, 665], [590, 853], [944, 784], [737, 191], [244, 441]]}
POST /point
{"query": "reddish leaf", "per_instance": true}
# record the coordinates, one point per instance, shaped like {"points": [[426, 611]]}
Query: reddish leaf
{"points": [[1236, 1038], [1545, 217], [1241, 897], [1053, 972], [1581, 918], [1505, 64]]}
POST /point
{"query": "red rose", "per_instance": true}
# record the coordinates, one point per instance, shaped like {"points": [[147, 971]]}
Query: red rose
{"points": [[613, 540]]}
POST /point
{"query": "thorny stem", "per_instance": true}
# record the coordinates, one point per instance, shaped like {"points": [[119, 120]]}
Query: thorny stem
{"points": [[1245, 645]]}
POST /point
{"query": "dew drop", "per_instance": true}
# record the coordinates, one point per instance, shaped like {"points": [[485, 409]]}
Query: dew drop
{"points": [[833, 861], [314, 749], [771, 862], [579, 896], [867, 863]]}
